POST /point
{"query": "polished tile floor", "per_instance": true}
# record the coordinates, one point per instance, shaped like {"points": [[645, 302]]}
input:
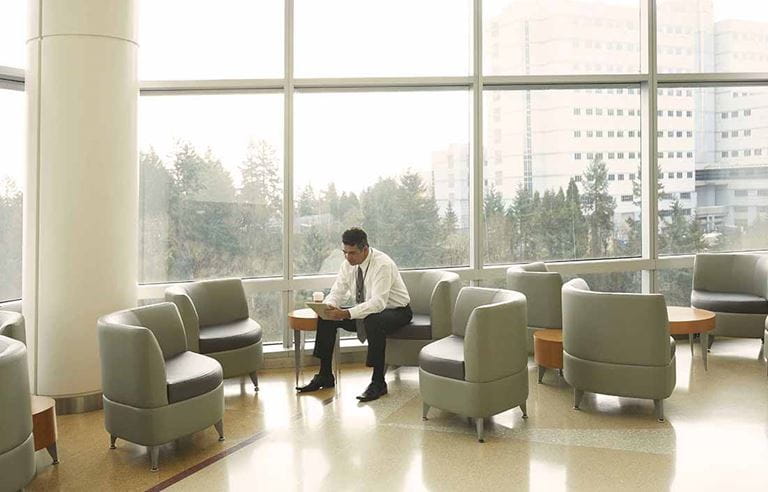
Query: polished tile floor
{"points": [[715, 438]]}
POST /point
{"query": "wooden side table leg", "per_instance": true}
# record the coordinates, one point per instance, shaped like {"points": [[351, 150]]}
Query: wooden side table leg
{"points": [[297, 350], [54, 453]]}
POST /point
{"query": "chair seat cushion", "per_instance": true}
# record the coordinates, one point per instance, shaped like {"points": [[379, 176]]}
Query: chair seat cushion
{"points": [[729, 302], [229, 336], [444, 357], [189, 374], [420, 328]]}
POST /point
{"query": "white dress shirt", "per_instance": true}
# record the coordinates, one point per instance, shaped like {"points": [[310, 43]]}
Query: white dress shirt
{"points": [[384, 287]]}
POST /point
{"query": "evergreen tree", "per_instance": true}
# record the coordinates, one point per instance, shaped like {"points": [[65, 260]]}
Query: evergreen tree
{"points": [[261, 179], [450, 221], [313, 251], [259, 211], [576, 224], [202, 239], [598, 206], [10, 239], [522, 217], [681, 233], [307, 204], [496, 227], [154, 195]]}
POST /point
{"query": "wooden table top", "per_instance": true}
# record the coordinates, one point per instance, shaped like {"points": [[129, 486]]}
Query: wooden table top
{"points": [[303, 320], [549, 335], [684, 320], [41, 403]]}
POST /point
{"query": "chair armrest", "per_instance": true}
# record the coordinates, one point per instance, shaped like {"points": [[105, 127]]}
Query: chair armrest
{"points": [[132, 366], [189, 317], [12, 326], [495, 341], [441, 306]]}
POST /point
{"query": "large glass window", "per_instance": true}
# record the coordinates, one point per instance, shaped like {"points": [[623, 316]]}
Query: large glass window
{"points": [[395, 163], [713, 178], [13, 33], [676, 285], [12, 116], [211, 187], [200, 39], [342, 38], [712, 36], [531, 37], [561, 174]]}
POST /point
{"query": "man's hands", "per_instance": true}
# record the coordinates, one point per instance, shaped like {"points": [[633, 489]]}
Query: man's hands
{"points": [[335, 313]]}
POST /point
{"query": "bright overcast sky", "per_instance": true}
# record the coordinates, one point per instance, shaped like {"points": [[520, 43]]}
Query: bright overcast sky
{"points": [[350, 138]]}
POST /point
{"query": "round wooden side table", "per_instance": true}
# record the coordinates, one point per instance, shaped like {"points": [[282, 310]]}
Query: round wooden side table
{"points": [[690, 320], [548, 350], [300, 321], [44, 425]]}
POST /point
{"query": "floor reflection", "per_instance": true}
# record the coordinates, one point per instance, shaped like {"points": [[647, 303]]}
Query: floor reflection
{"points": [[716, 436]]}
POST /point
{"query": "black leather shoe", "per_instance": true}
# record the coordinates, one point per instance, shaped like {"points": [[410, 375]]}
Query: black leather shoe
{"points": [[318, 382], [373, 391]]}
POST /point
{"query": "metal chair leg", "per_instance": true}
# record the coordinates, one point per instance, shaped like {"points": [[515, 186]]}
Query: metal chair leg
{"points": [[542, 369], [690, 342], [659, 407], [255, 380], [524, 408], [424, 411], [577, 395], [154, 457], [220, 429], [112, 441], [480, 430]]}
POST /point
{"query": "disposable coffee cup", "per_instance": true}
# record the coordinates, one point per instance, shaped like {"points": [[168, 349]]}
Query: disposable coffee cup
{"points": [[317, 296]]}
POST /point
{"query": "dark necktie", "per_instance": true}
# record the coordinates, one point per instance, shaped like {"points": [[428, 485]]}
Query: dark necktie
{"points": [[360, 298]]}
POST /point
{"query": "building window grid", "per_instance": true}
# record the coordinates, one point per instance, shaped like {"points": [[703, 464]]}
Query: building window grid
{"points": [[695, 79]]}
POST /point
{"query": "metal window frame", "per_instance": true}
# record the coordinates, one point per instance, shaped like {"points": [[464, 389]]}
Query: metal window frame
{"points": [[477, 84]]}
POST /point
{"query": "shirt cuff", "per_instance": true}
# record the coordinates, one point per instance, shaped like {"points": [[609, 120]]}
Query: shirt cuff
{"points": [[354, 312]]}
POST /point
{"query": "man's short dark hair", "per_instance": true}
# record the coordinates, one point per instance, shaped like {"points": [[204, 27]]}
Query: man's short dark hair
{"points": [[355, 237]]}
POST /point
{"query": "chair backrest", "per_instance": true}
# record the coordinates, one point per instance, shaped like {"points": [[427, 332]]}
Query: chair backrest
{"points": [[614, 327], [470, 298], [12, 326], [15, 406], [217, 301], [495, 333], [434, 293], [542, 291], [727, 272], [133, 345]]}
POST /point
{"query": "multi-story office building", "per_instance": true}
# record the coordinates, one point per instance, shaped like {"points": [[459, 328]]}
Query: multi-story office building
{"points": [[710, 141]]}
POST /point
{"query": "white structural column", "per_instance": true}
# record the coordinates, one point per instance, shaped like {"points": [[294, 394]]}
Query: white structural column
{"points": [[80, 204]]}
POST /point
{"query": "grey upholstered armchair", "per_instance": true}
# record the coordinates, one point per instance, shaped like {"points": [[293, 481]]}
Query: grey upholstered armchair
{"points": [[735, 288], [215, 315], [17, 445], [542, 293], [12, 326], [433, 295], [155, 390], [480, 369], [617, 344]]}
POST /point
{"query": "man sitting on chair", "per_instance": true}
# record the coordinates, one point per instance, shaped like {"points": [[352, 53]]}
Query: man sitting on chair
{"points": [[381, 307]]}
